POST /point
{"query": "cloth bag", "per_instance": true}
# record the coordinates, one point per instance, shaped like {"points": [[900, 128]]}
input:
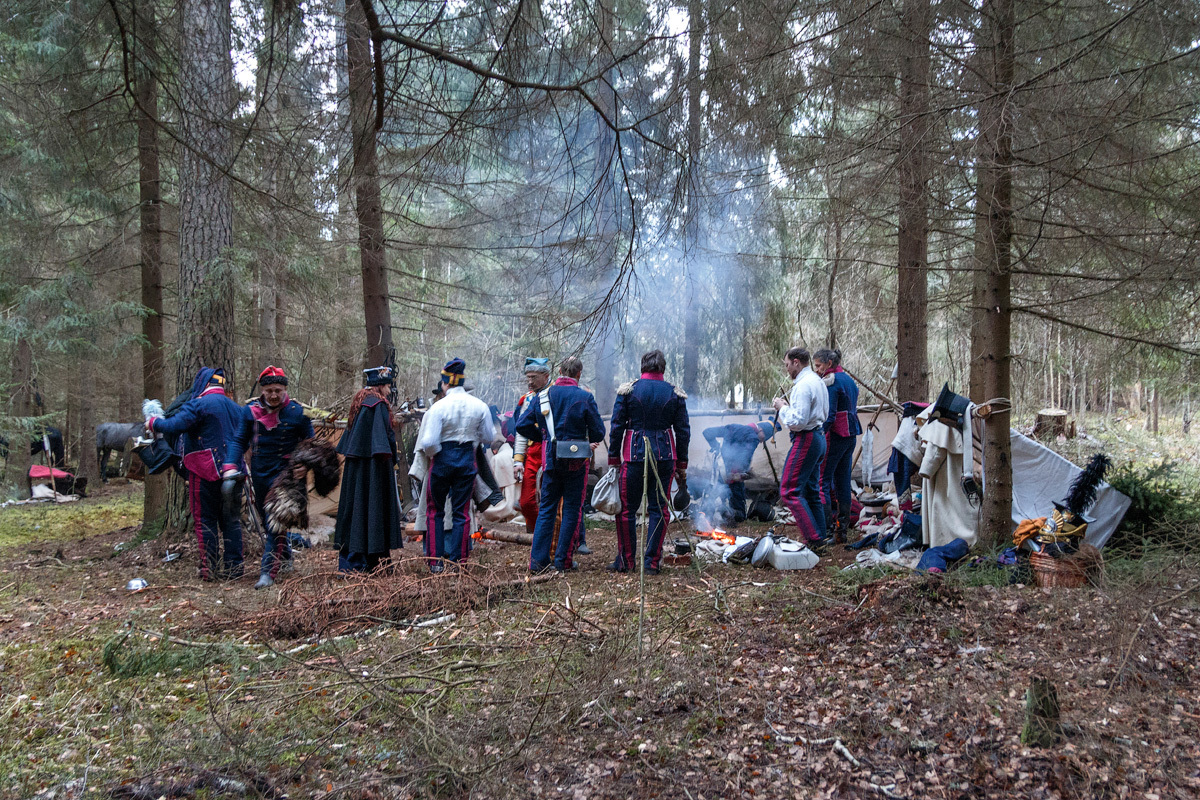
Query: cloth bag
{"points": [[606, 497]]}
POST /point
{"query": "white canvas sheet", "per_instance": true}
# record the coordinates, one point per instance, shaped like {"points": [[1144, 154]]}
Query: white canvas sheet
{"points": [[1041, 476]]}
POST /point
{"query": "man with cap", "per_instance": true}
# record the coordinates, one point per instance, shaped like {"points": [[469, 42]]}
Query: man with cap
{"points": [[649, 424], [279, 426], [527, 455], [803, 412], [369, 523], [736, 448], [565, 419], [452, 430], [214, 430]]}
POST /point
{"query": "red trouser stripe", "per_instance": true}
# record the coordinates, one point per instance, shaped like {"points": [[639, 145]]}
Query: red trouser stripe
{"points": [[194, 497], [792, 492], [431, 532]]}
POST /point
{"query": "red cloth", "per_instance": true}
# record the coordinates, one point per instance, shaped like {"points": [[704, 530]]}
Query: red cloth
{"points": [[530, 499], [40, 472]]}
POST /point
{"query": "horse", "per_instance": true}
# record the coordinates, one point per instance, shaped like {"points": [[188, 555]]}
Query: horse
{"points": [[115, 436]]}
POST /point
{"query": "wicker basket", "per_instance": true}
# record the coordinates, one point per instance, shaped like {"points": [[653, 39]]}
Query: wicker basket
{"points": [[1058, 573]]}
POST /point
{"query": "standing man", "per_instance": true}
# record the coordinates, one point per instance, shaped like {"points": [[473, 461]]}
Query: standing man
{"points": [[565, 419], [647, 408], [841, 432], [803, 413], [279, 425], [737, 446], [527, 455], [452, 430], [215, 430]]}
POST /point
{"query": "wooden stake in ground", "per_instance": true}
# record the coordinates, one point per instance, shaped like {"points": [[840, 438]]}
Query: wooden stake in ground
{"points": [[1041, 727]]}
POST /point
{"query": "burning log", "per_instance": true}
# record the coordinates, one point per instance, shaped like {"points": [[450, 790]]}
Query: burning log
{"points": [[705, 529], [503, 536]]}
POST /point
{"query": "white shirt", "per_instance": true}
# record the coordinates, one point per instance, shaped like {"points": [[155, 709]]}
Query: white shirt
{"points": [[808, 403], [458, 417]]}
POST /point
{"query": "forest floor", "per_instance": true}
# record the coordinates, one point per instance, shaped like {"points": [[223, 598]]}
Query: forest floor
{"points": [[747, 683]]}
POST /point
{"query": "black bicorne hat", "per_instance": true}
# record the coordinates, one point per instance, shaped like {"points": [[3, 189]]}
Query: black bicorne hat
{"points": [[949, 406], [378, 376]]}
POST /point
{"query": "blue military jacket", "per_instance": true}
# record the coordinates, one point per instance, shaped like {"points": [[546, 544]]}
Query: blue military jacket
{"points": [[738, 443], [276, 435], [214, 429], [843, 406], [649, 408], [575, 413]]}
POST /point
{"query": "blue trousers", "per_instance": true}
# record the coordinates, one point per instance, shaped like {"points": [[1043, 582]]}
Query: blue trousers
{"points": [[276, 549], [737, 500], [452, 475], [658, 511], [835, 477], [568, 485], [800, 484], [208, 515]]}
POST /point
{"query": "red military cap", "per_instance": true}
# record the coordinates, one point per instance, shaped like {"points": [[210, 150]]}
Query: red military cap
{"points": [[272, 374]]}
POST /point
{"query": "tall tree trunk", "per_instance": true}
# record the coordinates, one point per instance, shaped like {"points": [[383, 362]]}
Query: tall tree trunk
{"points": [[89, 466], [912, 294], [154, 501], [206, 322], [368, 198], [692, 246], [22, 377], [606, 212], [994, 250]]}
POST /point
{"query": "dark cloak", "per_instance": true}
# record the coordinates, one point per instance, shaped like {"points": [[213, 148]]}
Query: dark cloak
{"points": [[368, 519]]}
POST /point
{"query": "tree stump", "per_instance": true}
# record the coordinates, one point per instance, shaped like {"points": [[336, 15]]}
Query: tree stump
{"points": [[1051, 423], [1041, 727]]}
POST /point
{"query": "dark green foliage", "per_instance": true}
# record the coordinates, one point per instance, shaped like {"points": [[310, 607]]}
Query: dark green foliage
{"points": [[1163, 513], [128, 656]]}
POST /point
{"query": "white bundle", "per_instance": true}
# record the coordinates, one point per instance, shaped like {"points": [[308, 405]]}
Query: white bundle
{"points": [[152, 408]]}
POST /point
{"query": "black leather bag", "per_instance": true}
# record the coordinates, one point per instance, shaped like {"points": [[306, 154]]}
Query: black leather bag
{"points": [[572, 449]]}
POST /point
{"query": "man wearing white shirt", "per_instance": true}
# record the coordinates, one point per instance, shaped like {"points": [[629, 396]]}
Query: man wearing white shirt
{"points": [[803, 413], [452, 429]]}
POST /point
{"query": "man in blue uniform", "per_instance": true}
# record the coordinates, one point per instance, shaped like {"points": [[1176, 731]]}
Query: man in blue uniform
{"points": [[841, 433], [737, 445], [279, 425], [214, 430], [651, 409], [565, 419]]}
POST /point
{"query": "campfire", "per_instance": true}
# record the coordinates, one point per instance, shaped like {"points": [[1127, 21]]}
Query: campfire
{"points": [[706, 529]]}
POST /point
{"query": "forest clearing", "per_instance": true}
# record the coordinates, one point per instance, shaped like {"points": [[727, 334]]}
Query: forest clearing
{"points": [[750, 683]]}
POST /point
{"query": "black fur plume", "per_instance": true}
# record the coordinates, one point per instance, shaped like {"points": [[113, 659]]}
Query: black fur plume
{"points": [[287, 500], [1083, 488]]}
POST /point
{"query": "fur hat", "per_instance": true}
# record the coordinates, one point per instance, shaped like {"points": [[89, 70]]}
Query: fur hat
{"points": [[272, 374]]}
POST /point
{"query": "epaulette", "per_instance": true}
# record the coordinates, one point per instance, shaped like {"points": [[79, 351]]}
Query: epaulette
{"points": [[680, 392], [626, 388]]}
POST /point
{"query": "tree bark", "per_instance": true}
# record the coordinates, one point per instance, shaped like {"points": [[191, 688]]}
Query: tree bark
{"points": [[150, 240], [912, 293], [994, 264], [22, 377], [206, 321], [691, 228], [368, 197], [606, 213], [1041, 727]]}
